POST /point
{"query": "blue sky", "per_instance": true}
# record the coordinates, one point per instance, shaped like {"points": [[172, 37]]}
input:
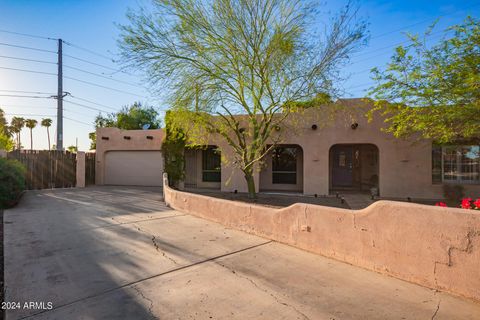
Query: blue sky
{"points": [[91, 24]]}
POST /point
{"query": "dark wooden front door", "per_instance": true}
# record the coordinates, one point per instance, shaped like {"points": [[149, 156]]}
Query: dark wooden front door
{"points": [[342, 167]]}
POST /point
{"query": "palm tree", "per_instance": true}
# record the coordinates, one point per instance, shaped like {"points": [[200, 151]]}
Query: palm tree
{"points": [[47, 123], [17, 125], [30, 124]]}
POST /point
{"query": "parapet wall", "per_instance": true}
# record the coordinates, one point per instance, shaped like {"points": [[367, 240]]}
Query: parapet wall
{"points": [[431, 246]]}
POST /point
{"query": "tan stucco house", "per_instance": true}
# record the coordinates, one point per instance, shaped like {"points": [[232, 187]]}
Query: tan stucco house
{"points": [[328, 149]]}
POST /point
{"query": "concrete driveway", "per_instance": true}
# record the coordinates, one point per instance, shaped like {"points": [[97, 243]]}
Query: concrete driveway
{"points": [[119, 253]]}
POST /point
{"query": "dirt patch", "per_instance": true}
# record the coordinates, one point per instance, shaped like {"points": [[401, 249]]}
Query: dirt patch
{"points": [[275, 200]]}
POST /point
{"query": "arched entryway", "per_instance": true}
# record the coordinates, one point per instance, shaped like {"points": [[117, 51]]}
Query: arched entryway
{"points": [[353, 167]]}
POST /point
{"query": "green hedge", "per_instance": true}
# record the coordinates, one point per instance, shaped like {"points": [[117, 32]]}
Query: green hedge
{"points": [[12, 181]]}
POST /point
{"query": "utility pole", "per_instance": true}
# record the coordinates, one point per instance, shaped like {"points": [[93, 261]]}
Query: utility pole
{"points": [[60, 98]]}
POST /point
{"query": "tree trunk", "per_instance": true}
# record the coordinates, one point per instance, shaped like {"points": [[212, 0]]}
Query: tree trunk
{"points": [[48, 136], [251, 185], [31, 140]]}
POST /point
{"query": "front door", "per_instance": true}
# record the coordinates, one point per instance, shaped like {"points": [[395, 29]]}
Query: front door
{"points": [[342, 168]]}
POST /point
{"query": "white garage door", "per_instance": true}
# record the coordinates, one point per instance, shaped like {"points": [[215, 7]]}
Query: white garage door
{"points": [[134, 168]]}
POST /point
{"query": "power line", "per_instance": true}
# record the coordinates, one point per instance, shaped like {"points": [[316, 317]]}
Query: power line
{"points": [[88, 124], [19, 96], [26, 35], [25, 106], [102, 86], [85, 106], [96, 64], [25, 59], [29, 115], [89, 51], [102, 76], [95, 103], [31, 71], [27, 48], [20, 91]]}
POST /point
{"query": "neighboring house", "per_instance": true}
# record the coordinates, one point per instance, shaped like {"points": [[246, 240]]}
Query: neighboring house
{"points": [[324, 150]]}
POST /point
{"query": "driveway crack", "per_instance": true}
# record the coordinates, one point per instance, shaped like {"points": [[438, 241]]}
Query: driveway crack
{"points": [[140, 293], [277, 299], [155, 244], [436, 310]]}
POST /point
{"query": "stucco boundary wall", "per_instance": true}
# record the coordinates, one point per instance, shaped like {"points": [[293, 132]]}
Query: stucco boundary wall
{"points": [[432, 246]]}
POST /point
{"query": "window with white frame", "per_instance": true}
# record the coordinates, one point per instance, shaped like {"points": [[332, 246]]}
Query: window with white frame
{"points": [[456, 164]]}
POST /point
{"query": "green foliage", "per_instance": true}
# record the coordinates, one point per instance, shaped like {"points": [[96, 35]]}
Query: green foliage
{"points": [[6, 143], [47, 122], [433, 90], [4, 128], [93, 140], [129, 118], [173, 151], [233, 68], [12, 181], [72, 149], [16, 126]]}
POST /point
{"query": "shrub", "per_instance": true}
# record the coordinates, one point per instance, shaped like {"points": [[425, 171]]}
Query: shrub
{"points": [[12, 181]]}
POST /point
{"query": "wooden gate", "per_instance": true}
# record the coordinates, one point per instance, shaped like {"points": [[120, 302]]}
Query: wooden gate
{"points": [[89, 168], [47, 169]]}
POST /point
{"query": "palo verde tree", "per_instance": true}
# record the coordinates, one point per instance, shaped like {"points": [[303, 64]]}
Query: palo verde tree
{"points": [[219, 59], [433, 90]]}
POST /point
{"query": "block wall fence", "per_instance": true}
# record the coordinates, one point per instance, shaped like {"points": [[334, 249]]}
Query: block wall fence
{"points": [[431, 246]]}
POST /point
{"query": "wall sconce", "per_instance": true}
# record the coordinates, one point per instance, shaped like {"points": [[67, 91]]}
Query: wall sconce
{"points": [[150, 137], [126, 137], [105, 138], [354, 126], [314, 127]]}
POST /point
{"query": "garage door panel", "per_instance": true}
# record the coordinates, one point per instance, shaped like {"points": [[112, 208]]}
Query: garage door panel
{"points": [[134, 168]]}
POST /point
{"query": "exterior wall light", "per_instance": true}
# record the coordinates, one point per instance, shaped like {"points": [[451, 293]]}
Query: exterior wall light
{"points": [[126, 137], [150, 137], [354, 126], [105, 138], [314, 127]]}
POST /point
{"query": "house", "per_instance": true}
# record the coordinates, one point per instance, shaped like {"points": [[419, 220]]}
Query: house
{"points": [[335, 148], [326, 149]]}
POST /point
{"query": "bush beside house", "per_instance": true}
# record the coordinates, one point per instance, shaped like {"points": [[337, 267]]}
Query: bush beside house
{"points": [[12, 182]]}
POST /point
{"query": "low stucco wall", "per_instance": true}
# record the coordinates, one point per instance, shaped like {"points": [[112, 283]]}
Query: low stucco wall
{"points": [[431, 246]]}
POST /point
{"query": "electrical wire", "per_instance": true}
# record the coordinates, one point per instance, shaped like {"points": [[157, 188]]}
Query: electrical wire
{"points": [[95, 64], [20, 91], [102, 86], [85, 106], [95, 103], [31, 71], [27, 48], [19, 96], [27, 35], [101, 76], [88, 124], [89, 51], [25, 59]]}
